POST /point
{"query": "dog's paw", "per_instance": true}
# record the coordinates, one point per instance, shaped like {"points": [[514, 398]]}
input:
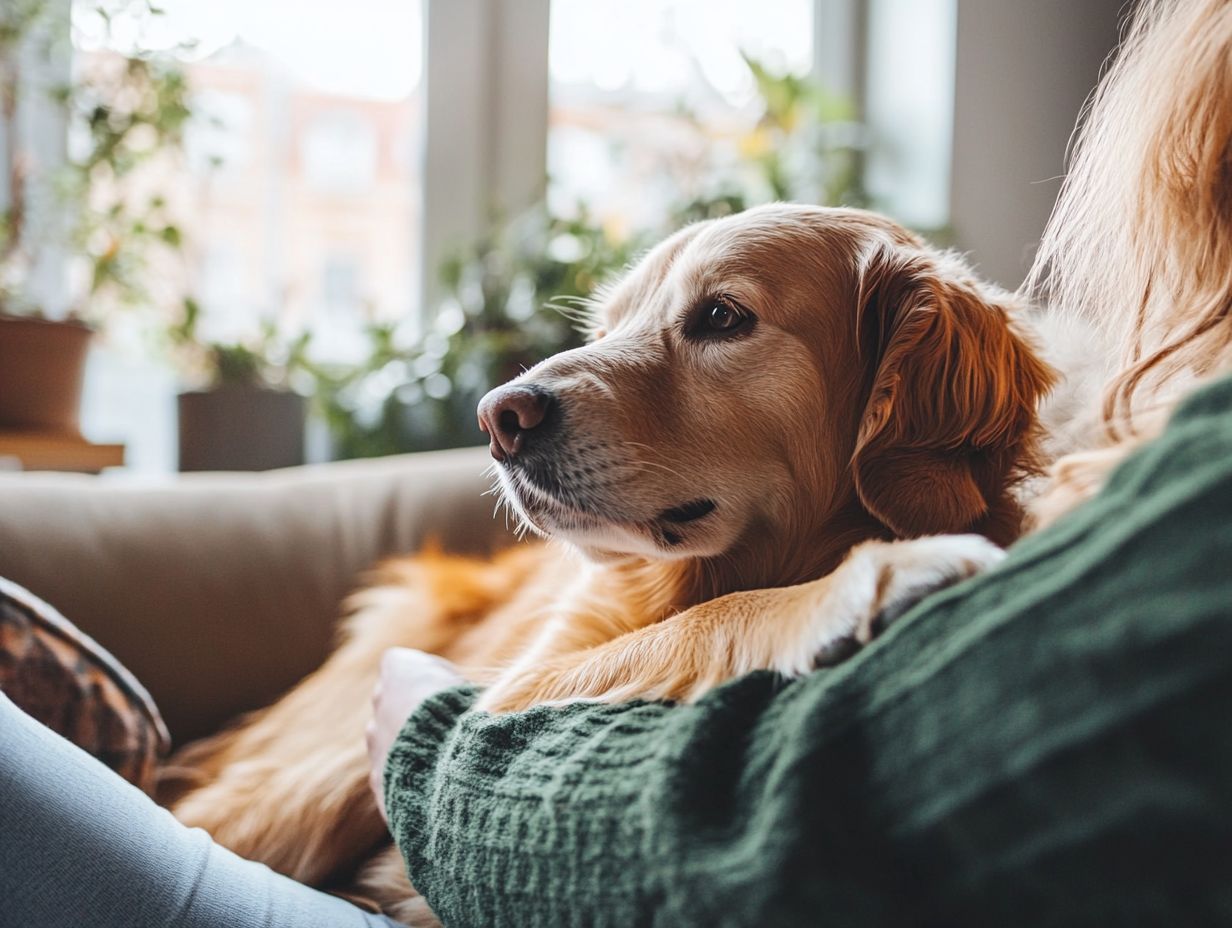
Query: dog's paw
{"points": [[880, 581]]}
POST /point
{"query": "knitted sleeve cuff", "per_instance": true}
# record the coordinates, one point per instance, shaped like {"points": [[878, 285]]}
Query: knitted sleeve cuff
{"points": [[414, 755]]}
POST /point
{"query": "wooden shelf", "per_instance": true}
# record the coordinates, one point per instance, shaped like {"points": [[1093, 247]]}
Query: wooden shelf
{"points": [[53, 451]]}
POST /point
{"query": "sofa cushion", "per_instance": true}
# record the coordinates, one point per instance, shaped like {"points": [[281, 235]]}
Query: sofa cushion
{"points": [[63, 678]]}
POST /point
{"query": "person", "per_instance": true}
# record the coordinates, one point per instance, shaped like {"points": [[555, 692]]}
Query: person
{"points": [[79, 846], [1045, 744]]}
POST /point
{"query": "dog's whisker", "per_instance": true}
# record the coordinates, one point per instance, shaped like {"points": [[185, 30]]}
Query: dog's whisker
{"points": [[647, 463]]}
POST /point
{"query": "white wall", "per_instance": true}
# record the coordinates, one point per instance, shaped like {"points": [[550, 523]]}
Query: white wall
{"points": [[1023, 70]]}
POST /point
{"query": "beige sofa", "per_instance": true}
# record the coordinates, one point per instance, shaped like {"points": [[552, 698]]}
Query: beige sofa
{"points": [[219, 591]]}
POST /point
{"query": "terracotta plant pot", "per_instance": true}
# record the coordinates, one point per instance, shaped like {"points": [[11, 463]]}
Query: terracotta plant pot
{"points": [[42, 368], [241, 428]]}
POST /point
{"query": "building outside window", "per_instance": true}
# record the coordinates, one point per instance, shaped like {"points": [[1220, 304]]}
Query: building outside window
{"points": [[656, 112]]}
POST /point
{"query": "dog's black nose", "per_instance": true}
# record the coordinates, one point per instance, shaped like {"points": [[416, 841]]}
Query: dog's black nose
{"points": [[508, 413]]}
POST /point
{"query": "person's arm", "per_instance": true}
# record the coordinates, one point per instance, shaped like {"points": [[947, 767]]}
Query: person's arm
{"points": [[1045, 744]]}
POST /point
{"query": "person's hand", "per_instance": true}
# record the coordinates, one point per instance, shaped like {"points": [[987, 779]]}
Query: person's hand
{"points": [[407, 678]]}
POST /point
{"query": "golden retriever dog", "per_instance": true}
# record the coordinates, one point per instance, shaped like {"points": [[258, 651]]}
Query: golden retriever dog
{"points": [[767, 401]]}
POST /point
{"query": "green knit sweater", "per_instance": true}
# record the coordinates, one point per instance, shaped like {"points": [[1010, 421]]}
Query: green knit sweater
{"points": [[1047, 744]]}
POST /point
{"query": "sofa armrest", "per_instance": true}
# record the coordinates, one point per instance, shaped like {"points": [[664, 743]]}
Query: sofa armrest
{"points": [[219, 591]]}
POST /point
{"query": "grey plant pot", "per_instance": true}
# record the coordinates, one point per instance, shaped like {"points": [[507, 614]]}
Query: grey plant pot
{"points": [[241, 428]]}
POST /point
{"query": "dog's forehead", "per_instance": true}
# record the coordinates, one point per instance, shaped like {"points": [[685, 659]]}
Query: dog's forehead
{"points": [[641, 288], [752, 258]]}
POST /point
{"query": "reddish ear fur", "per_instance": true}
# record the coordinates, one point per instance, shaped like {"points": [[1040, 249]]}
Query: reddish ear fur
{"points": [[950, 421]]}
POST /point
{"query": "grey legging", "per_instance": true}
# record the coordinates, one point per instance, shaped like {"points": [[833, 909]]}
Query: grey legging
{"points": [[80, 846]]}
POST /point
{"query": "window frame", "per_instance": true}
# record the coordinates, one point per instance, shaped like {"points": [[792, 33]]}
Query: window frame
{"points": [[483, 158], [41, 127]]}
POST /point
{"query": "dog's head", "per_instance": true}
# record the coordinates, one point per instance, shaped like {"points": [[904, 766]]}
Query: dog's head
{"points": [[758, 380]]}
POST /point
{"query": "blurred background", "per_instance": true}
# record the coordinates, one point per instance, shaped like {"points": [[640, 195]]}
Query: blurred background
{"points": [[278, 231]]}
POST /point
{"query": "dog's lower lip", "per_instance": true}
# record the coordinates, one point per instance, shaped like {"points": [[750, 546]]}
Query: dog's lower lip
{"points": [[548, 498], [688, 512]]}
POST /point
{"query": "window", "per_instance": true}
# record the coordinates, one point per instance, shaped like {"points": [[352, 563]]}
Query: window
{"points": [[650, 98], [225, 288], [219, 141], [339, 152], [340, 284], [301, 147], [338, 304], [336, 166]]}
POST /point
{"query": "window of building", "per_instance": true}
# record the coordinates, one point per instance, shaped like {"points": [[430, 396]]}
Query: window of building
{"points": [[340, 152], [219, 142]]}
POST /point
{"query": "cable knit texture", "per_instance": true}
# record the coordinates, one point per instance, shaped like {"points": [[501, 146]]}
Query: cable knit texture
{"points": [[1047, 744]]}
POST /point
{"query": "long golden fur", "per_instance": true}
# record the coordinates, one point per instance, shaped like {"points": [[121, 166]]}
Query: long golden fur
{"points": [[891, 395], [879, 391]]}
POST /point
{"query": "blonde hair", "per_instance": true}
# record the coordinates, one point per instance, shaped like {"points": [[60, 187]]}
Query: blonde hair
{"points": [[1140, 241]]}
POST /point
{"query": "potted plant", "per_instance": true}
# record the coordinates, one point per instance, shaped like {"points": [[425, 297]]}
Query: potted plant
{"points": [[134, 111], [244, 416]]}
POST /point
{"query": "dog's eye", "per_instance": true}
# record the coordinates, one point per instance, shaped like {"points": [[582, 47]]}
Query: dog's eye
{"points": [[719, 317], [722, 317]]}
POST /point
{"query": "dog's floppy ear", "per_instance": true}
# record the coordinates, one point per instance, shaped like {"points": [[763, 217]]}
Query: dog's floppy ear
{"points": [[951, 409]]}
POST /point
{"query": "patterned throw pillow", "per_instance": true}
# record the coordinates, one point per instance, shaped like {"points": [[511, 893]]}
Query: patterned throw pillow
{"points": [[66, 680]]}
